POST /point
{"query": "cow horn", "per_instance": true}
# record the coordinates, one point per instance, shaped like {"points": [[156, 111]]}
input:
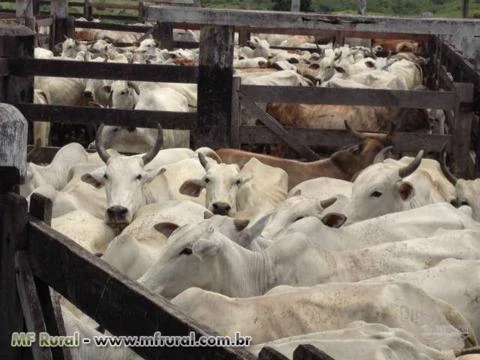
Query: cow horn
{"points": [[353, 131], [104, 155], [145, 36], [328, 202], [134, 87], [156, 147], [203, 160], [410, 168], [381, 154], [443, 164], [467, 351]]}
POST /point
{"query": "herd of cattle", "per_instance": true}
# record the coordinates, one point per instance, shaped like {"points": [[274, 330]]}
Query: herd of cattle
{"points": [[361, 255]]}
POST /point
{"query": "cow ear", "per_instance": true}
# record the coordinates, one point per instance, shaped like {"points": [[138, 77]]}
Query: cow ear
{"points": [[107, 88], [206, 247], [298, 192], [95, 178], [166, 228], [192, 188], [241, 224], [406, 190], [152, 173], [207, 215], [248, 235], [370, 64], [334, 220], [340, 69]]}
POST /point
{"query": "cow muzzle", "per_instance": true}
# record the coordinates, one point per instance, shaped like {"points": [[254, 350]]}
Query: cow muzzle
{"points": [[117, 215], [221, 208], [88, 94]]}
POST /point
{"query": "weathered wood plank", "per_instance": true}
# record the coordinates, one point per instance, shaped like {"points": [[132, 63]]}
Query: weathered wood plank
{"points": [[419, 99], [119, 304], [274, 126], [90, 115], [462, 131], [308, 21], [163, 33], [268, 353], [340, 138], [310, 352], [92, 70], [214, 87], [236, 114], [25, 12], [30, 302], [115, 27], [13, 212]]}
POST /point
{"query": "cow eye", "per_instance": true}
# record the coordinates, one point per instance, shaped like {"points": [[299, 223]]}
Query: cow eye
{"points": [[116, 129], [299, 218], [465, 202], [139, 177], [376, 194], [123, 92], [238, 182], [207, 180], [186, 251], [105, 176]]}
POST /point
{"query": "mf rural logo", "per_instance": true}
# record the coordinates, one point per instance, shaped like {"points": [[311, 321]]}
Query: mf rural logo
{"points": [[27, 339]]}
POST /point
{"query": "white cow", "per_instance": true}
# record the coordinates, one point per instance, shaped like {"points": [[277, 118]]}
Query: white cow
{"points": [[467, 192], [361, 341], [330, 307], [136, 249], [462, 292], [56, 173], [322, 188], [392, 186], [218, 264], [251, 192]]}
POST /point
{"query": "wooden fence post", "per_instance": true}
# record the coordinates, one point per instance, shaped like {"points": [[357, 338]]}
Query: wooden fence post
{"points": [[16, 42], [295, 6], [236, 113], [87, 10], [214, 87], [462, 130], [62, 25], [13, 215], [24, 11], [163, 33]]}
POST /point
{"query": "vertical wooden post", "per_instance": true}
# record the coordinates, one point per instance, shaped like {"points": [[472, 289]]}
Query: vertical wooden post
{"points": [[13, 215], [214, 87], [295, 7], [87, 10], [62, 26], [163, 33], [16, 42], [465, 8], [243, 37], [24, 12], [141, 11], [462, 129], [236, 113]]}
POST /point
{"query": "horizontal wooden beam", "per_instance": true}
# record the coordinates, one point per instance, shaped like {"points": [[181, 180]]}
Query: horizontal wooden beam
{"points": [[309, 21], [339, 138], [117, 303], [110, 5], [117, 117], [113, 71], [114, 27], [418, 99]]}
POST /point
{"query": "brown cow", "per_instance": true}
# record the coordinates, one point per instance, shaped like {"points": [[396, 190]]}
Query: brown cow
{"points": [[398, 45], [362, 118], [343, 164]]}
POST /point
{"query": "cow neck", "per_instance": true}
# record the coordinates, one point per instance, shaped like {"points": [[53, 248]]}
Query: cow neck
{"points": [[251, 281]]}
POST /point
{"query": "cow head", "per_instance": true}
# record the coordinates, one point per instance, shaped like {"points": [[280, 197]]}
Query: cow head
{"points": [[123, 94], [467, 191], [381, 189], [124, 178], [221, 182]]}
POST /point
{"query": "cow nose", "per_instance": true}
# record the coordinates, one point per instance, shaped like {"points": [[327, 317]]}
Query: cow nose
{"points": [[88, 94], [221, 208], [117, 212]]}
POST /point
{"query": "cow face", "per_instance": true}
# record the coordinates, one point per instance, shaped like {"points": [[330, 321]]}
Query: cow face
{"points": [[124, 94], [124, 178], [186, 262], [468, 193], [381, 189], [292, 210], [221, 182]]}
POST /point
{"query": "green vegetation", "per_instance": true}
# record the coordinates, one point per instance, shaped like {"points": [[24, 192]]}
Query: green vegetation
{"points": [[439, 8]]}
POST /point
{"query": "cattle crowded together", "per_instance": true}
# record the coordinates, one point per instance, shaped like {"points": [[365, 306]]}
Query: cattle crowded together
{"points": [[359, 254]]}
